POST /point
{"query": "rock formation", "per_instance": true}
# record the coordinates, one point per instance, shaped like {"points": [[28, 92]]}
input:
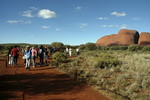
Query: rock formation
{"points": [[124, 37], [108, 40], [144, 39], [128, 37]]}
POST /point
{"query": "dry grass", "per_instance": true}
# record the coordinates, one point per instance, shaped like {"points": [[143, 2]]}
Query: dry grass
{"points": [[130, 80]]}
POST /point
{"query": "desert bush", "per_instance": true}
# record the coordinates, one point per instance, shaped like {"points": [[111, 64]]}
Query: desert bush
{"points": [[105, 48], [82, 47], [134, 47], [146, 48], [130, 79], [106, 60], [114, 48], [59, 57], [90, 46], [99, 47], [58, 45], [123, 47]]}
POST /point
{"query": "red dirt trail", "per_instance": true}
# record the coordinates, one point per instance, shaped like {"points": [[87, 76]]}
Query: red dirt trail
{"points": [[42, 83]]}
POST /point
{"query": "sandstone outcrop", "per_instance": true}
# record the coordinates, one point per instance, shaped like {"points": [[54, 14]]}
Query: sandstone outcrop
{"points": [[144, 39], [128, 37], [124, 37], [108, 40]]}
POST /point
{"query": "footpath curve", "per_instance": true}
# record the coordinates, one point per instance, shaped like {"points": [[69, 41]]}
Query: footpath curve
{"points": [[42, 83]]}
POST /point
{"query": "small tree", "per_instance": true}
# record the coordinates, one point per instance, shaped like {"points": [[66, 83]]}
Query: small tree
{"points": [[90, 46], [58, 45]]}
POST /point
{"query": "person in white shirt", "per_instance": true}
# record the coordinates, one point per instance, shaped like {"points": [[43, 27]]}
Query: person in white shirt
{"points": [[70, 52]]}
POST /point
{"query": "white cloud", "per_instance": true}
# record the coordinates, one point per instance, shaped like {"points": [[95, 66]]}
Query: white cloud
{"points": [[102, 18], [78, 8], [136, 18], [118, 14], [19, 21], [27, 13], [46, 14], [14, 21], [109, 26], [45, 27], [124, 26], [33, 8], [82, 25], [58, 29]]}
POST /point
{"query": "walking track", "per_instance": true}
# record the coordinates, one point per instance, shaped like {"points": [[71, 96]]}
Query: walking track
{"points": [[42, 83]]}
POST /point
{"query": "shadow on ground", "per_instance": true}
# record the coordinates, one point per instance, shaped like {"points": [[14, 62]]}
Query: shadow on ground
{"points": [[38, 83]]}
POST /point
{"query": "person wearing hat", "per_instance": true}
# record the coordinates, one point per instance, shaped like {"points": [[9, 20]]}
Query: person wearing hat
{"points": [[28, 57]]}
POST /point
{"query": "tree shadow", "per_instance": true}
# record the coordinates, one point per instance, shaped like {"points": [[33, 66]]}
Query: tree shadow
{"points": [[40, 83]]}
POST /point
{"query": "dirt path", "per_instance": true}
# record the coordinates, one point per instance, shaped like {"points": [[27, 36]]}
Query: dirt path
{"points": [[41, 83]]}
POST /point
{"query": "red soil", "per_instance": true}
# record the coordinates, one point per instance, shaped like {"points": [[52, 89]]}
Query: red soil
{"points": [[42, 83]]}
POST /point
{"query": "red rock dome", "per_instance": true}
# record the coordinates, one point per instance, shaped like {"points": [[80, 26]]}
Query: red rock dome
{"points": [[144, 38], [124, 37]]}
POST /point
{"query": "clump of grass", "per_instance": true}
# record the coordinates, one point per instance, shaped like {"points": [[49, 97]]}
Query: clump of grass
{"points": [[126, 73]]}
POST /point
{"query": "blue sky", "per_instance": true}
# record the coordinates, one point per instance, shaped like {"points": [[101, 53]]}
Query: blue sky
{"points": [[72, 22]]}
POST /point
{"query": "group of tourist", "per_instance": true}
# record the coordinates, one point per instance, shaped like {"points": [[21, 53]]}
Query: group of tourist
{"points": [[30, 54], [69, 51]]}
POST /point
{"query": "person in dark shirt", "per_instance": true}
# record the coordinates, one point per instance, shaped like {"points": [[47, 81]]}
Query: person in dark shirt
{"points": [[46, 56], [14, 53], [41, 55]]}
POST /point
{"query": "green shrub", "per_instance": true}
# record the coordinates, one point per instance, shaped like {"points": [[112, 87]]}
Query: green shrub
{"points": [[90, 46], [57, 45], [59, 57], [106, 48], [114, 48], [134, 47], [146, 48], [82, 47], [105, 60], [123, 47]]}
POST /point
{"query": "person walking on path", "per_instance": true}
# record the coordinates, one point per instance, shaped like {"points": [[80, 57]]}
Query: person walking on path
{"points": [[14, 53], [28, 57], [34, 55], [10, 56], [41, 55]]}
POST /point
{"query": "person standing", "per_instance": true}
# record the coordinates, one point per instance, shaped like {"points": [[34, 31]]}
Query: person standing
{"points": [[14, 53], [46, 56], [41, 55], [34, 55], [17, 54], [67, 50], [70, 52], [77, 51], [28, 57], [10, 56]]}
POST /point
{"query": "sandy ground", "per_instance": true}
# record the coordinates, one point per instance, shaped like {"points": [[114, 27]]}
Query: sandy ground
{"points": [[42, 83]]}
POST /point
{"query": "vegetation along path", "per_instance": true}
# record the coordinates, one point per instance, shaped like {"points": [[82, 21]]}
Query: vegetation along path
{"points": [[42, 83]]}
